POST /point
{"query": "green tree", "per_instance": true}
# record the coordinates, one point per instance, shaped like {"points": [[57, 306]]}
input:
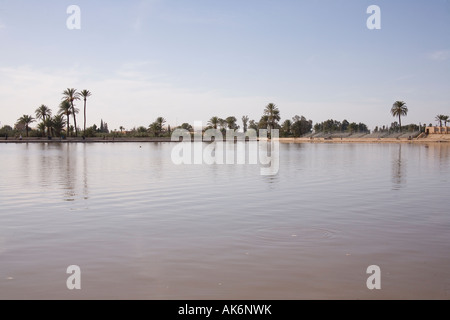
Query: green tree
{"points": [[142, 129], [214, 122], [58, 124], [160, 121], [440, 117], [70, 95], [231, 123], [273, 114], [264, 122], [187, 126], [84, 95], [41, 128], [399, 109], [344, 125], [286, 128], [43, 113], [301, 126], [245, 123], [66, 109], [252, 124], [154, 128], [26, 120], [353, 127]]}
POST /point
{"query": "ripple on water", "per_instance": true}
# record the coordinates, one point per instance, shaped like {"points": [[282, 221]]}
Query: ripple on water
{"points": [[307, 236]]}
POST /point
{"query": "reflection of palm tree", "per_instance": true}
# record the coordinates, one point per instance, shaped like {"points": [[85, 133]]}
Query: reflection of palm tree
{"points": [[399, 109], [398, 168]]}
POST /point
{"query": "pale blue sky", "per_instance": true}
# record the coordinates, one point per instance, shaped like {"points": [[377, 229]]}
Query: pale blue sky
{"points": [[190, 60]]}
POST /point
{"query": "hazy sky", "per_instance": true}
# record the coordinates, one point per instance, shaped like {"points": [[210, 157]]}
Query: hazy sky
{"points": [[190, 60]]}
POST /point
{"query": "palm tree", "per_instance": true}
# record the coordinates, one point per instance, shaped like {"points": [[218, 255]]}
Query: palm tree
{"points": [[121, 129], [65, 109], [273, 114], [43, 113], [154, 128], [26, 120], [399, 109], [222, 124], [440, 118], [160, 121], [58, 123], [42, 127], [245, 123], [70, 95], [214, 122], [85, 94]]}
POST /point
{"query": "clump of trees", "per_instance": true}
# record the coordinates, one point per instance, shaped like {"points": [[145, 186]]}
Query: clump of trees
{"points": [[334, 126]]}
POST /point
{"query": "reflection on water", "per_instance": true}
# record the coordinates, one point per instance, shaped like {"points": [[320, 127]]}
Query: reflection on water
{"points": [[398, 169], [141, 227]]}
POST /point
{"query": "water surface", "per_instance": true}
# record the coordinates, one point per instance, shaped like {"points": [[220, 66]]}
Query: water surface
{"points": [[141, 227]]}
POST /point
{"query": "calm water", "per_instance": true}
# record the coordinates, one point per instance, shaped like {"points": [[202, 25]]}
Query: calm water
{"points": [[142, 228]]}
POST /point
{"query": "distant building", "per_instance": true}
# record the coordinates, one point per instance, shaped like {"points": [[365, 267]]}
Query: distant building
{"points": [[437, 130]]}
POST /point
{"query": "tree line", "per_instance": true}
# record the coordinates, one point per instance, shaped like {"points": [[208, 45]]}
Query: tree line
{"points": [[59, 125]]}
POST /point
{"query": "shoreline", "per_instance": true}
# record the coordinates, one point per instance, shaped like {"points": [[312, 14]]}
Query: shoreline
{"points": [[429, 139]]}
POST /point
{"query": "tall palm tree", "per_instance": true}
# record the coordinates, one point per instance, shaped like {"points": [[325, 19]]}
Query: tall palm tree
{"points": [[214, 122], [273, 114], [70, 95], [26, 120], [43, 113], [445, 119], [399, 109], [85, 94]]}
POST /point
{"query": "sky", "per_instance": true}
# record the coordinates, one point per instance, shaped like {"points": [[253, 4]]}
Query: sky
{"points": [[190, 60]]}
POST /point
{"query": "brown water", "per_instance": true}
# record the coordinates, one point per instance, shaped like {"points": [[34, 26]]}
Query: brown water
{"points": [[141, 227]]}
